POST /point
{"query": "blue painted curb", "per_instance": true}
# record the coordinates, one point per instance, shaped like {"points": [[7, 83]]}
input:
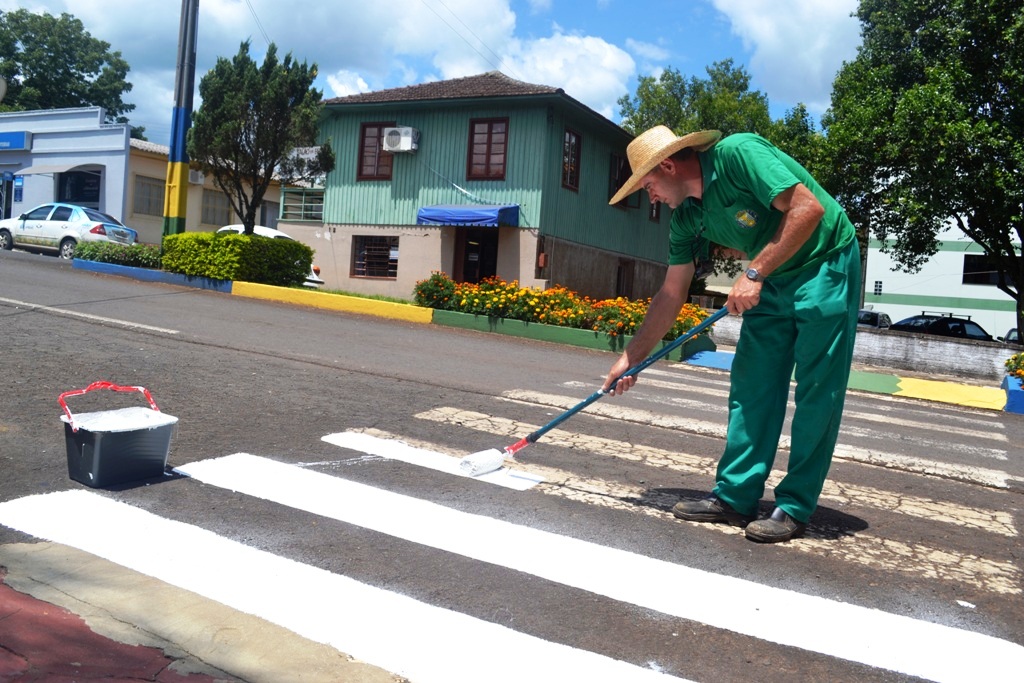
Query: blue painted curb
{"points": [[151, 275]]}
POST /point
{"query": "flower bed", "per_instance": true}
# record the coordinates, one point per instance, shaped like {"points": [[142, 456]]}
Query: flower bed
{"points": [[558, 306]]}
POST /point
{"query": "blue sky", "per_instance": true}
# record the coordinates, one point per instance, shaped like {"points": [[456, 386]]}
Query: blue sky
{"points": [[594, 49]]}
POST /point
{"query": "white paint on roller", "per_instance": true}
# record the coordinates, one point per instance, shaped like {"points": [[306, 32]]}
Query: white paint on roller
{"points": [[850, 632], [424, 643], [120, 420], [476, 464], [396, 450]]}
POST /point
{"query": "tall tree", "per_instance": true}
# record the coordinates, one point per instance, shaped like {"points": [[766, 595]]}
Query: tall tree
{"points": [[53, 62], [256, 124], [721, 101], [927, 125]]}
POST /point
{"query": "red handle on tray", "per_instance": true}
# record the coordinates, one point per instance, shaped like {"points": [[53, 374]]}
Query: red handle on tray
{"points": [[101, 385]]}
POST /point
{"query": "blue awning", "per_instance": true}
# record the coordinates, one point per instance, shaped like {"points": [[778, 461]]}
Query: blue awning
{"points": [[469, 214]]}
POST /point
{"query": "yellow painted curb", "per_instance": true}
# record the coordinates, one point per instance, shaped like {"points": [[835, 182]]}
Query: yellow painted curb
{"points": [[947, 392], [334, 302]]}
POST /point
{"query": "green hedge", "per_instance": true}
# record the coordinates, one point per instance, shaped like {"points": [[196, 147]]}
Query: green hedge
{"points": [[230, 256], [136, 255]]}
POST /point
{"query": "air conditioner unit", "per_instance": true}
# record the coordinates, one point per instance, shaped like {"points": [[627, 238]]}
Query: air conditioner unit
{"points": [[401, 139], [196, 177]]}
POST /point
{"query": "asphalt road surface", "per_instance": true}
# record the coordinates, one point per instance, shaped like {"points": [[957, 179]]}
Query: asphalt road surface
{"points": [[313, 484]]}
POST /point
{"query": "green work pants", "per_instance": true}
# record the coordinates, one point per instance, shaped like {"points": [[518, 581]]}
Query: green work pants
{"points": [[802, 328]]}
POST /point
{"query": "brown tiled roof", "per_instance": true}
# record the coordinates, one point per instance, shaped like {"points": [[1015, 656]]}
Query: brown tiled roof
{"points": [[490, 84]]}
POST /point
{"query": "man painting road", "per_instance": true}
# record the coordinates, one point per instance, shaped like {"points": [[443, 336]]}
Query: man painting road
{"points": [[798, 299]]}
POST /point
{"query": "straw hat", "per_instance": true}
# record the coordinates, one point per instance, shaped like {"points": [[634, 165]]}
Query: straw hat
{"points": [[652, 147]]}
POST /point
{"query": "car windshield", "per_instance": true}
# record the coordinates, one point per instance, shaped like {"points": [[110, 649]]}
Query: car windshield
{"points": [[917, 321], [99, 217]]}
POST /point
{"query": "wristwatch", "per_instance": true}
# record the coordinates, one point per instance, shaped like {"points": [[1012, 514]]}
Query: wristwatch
{"points": [[752, 274]]}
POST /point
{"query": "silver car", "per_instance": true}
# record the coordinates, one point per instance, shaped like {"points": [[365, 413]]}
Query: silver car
{"points": [[58, 228]]}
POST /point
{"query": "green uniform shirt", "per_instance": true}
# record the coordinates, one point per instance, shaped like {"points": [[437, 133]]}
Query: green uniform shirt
{"points": [[743, 174]]}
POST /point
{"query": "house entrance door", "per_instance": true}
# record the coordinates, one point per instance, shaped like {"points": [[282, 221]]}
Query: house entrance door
{"points": [[478, 248]]}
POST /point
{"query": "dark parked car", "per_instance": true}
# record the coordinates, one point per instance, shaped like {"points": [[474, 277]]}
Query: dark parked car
{"points": [[1012, 337], [875, 319], [944, 325]]}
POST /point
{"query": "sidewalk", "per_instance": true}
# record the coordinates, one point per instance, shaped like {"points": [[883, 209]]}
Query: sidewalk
{"points": [[67, 616]]}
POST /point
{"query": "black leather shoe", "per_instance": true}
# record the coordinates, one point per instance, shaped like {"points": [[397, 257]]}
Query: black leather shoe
{"points": [[776, 528], [710, 509]]}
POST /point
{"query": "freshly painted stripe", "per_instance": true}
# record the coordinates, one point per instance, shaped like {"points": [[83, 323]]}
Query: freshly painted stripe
{"points": [[396, 450], [86, 316], [858, 634], [958, 513], [877, 553], [334, 302], [424, 643]]}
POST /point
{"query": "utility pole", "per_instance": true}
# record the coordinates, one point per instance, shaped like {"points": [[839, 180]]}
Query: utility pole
{"points": [[176, 193]]}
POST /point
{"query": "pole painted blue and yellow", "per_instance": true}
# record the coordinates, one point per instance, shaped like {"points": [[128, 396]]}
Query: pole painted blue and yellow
{"points": [[176, 192]]}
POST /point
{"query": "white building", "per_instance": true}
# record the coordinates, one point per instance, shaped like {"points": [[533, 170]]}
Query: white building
{"points": [[71, 155], [957, 280], [67, 155]]}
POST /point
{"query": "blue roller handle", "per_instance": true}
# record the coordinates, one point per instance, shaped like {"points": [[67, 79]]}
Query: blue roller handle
{"points": [[635, 370]]}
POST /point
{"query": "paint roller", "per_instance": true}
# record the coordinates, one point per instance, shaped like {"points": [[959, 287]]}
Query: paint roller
{"points": [[483, 462]]}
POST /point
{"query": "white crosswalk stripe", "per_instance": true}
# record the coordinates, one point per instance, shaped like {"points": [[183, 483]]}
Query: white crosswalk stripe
{"points": [[446, 646], [436, 645], [179, 553]]}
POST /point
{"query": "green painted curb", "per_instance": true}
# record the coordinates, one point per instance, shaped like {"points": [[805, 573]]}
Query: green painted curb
{"points": [[873, 382]]}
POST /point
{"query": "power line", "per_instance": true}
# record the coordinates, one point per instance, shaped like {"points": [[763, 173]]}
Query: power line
{"points": [[252, 11], [501, 63]]}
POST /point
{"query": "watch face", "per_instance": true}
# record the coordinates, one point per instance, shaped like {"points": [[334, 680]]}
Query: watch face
{"points": [[753, 274]]}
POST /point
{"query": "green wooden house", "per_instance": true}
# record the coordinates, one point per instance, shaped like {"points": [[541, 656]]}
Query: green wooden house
{"points": [[476, 177]]}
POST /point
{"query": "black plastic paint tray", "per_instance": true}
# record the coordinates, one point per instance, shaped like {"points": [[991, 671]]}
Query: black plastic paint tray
{"points": [[116, 446]]}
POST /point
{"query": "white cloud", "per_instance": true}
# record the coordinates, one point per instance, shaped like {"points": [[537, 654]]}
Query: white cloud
{"points": [[798, 46], [369, 47], [649, 51], [345, 83], [589, 69]]}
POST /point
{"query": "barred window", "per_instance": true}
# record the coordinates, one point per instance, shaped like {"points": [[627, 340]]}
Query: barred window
{"points": [[375, 256], [216, 209], [149, 196]]}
